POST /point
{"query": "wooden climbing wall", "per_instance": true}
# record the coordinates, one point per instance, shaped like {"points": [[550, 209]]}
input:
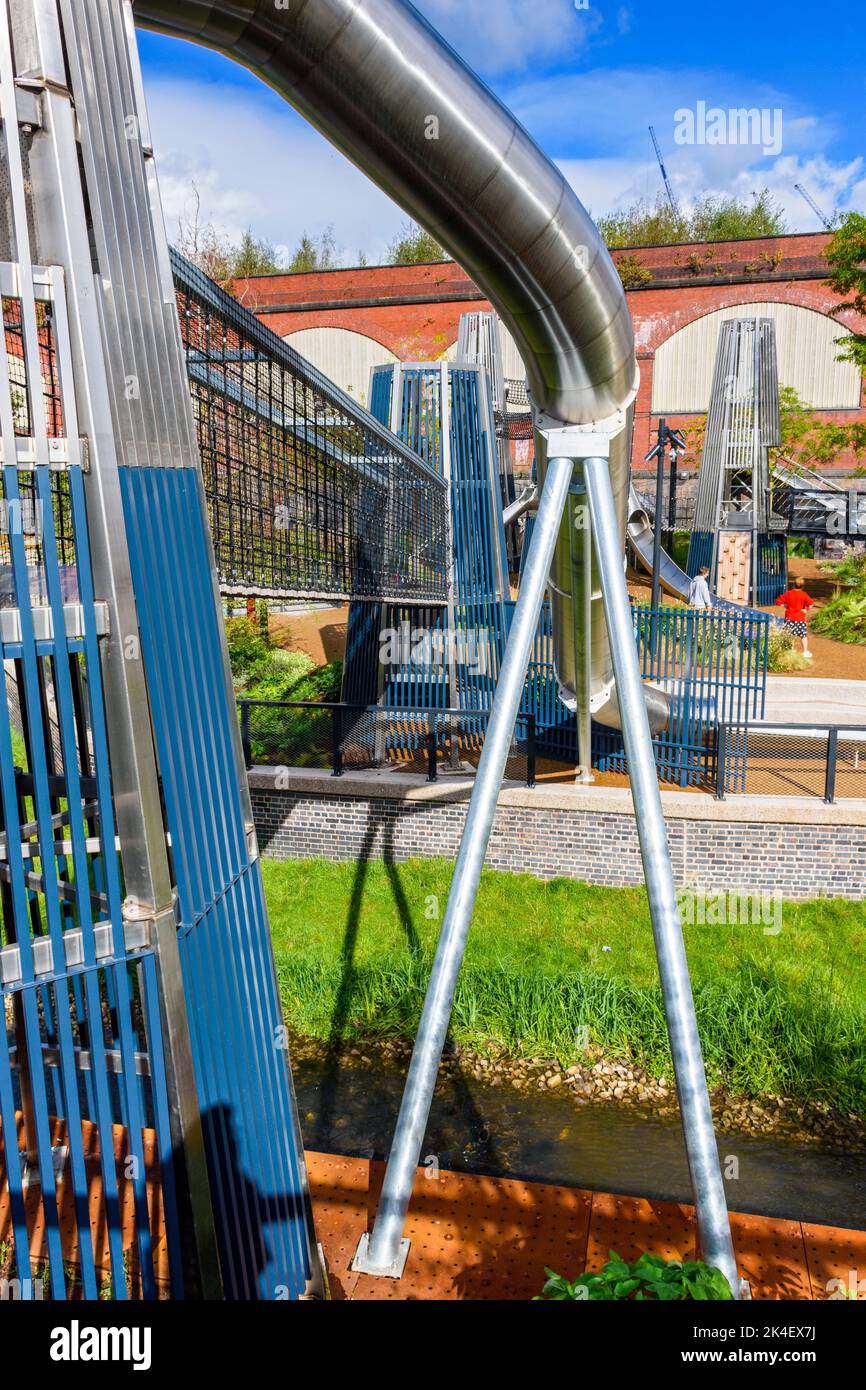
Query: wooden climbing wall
{"points": [[734, 571]]}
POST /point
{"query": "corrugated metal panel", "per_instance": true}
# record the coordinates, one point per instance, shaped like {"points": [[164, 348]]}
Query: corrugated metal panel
{"points": [[342, 355], [249, 1121], [806, 342], [512, 363]]}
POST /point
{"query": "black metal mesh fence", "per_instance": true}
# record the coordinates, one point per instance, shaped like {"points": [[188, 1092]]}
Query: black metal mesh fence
{"points": [[340, 738], [22, 513], [307, 494], [826, 762]]}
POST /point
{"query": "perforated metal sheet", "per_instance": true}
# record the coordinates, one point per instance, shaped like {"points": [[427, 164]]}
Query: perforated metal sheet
{"points": [[66, 1215], [479, 1238]]}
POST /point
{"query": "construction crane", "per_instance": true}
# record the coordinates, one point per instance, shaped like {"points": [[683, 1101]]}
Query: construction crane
{"points": [[814, 206], [671, 199]]}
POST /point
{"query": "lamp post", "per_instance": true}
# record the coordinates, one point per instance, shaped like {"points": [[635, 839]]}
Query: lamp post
{"points": [[673, 438]]}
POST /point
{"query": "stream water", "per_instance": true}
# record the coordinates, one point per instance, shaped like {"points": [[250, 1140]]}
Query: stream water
{"points": [[548, 1138]]}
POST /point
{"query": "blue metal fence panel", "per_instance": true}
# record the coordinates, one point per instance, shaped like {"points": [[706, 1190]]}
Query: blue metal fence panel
{"points": [[700, 551], [87, 1157], [433, 667], [772, 568], [244, 1086], [709, 663]]}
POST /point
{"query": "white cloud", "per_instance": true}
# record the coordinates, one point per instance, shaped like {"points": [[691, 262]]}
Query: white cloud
{"points": [[509, 35], [605, 109], [609, 185], [256, 164]]}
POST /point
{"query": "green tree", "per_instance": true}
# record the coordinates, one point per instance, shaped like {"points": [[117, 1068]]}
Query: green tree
{"points": [[202, 244], [807, 441], [414, 246], [731, 218], [713, 218], [254, 256], [314, 253], [846, 256], [644, 224]]}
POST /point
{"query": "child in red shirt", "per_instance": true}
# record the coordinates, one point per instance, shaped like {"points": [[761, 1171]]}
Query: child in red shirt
{"points": [[797, 604]]}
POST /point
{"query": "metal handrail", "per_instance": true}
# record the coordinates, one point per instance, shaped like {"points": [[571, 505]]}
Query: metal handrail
{"points": [[832, 731], [337, 708]]}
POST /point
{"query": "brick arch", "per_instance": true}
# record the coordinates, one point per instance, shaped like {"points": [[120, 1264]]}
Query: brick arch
{"points": [[808, 358], [354, 322], [657, 319], [413, 332], [342, 354]]}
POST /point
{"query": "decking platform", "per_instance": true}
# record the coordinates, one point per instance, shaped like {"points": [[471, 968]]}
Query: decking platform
{"points": [[472, 1237], [491, 1238]]}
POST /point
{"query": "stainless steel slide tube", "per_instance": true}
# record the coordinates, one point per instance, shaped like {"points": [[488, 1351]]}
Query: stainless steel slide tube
{"points": [[704, 1168], [381, 1255], [378, 81]]}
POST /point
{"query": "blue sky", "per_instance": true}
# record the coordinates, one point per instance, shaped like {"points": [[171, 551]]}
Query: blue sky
{"points": [[586, 80]]}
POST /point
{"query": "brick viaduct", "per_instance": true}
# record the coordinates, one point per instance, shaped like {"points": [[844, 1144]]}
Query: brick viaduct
{"points": [[414, 310]]}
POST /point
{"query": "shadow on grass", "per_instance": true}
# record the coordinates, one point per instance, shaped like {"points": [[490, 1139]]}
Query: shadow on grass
{"points": [[346, 992]]}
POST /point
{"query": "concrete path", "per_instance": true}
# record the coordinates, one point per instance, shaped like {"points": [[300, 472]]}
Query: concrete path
{"points": [[815, 701]]}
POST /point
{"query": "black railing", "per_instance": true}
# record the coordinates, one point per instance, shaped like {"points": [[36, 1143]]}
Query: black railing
{"points": [[307, 493], [820, 760], [820, 511], [345, 737]]}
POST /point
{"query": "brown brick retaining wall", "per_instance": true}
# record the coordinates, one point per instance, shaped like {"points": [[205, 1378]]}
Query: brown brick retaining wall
{"points": [[802, 847]]}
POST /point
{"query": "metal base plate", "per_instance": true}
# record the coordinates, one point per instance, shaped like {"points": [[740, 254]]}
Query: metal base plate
{"points": [[30, 1175], [362, 1265]]}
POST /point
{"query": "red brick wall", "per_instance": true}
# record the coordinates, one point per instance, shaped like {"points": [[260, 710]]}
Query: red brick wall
{"points": [[415, 310]]}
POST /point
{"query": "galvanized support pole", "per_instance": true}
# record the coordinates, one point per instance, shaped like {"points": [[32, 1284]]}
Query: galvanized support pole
{"points": [[384, 1251], [581, 619], [832, 755], [656, 591], [706, 1177]]}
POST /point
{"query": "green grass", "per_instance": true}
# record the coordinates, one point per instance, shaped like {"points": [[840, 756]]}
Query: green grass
{"points": [[777, 1014], [19, 752]]}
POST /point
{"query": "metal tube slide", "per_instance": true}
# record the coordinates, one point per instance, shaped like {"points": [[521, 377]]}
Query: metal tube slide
{"points": [[378, 81], [711, 1209], [641, 538], [382, 85]]}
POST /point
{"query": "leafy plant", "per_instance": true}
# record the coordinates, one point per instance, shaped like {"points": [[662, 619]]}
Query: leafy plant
{"points": [[632, 272], [844, 618], [851, 570], [247, 647], [846, 257], [800, 548], [650, 1279], [415, 246], [713, 218], [807, 441]]}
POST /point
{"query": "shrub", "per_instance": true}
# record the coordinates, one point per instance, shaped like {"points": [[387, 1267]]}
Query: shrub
{"points": [[294, 737], [800, 547], [845, 617], [632, 272], [781, 653], [247, 646], [280, 676], [650, 1278], [851, 570]]}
